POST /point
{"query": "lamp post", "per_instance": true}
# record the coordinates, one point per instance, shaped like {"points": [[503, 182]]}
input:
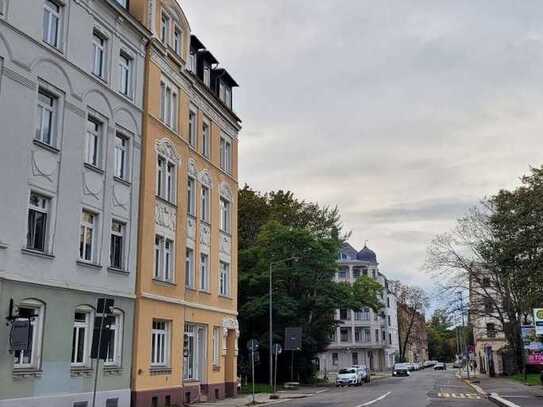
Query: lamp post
{"points": [[465, 346], [271, 313]]}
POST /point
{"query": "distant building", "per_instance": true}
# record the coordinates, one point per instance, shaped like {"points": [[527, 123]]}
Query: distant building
{"points": [[363, 337], [417, 344]]}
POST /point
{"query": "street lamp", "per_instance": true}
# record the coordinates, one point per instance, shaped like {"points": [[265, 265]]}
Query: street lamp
{"points": [[295, 258]]}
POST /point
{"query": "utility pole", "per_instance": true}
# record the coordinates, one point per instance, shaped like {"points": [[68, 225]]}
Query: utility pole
{"points": [[465, 350]]}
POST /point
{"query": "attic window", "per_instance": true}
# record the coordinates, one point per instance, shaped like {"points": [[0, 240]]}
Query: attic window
{"points": [[207, 74]]}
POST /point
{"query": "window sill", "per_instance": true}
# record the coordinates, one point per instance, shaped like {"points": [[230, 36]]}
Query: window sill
{"points": [[53, 48], [46, 146], [216, 368], [93, 168], [38, 253], [207, 292], [89, 264], [226, 297], [164, 200], [224, 232], [160, 370], [164, 282], [192, 380], [20, 372], [130, 98], [205, 222], [100, 78], [190, 289], [113, 370], [81, 371], [122, 181], [118, 271]]}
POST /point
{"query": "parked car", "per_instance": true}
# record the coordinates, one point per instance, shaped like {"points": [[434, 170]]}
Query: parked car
{"points": [[440, 366], [401, 369], [364, 372], [349, 377], [429, 363]]}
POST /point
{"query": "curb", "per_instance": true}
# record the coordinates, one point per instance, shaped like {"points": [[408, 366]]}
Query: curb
{"points": [[493, 397]]}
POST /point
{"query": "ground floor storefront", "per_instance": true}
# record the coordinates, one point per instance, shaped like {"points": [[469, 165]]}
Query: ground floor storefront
{"points": [[183, 353]]}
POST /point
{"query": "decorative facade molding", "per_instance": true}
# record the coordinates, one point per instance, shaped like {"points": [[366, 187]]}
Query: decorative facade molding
{"points": [[165, 148], [226, 192], [205, 179], [193, 172], [171, 300], [165, 216], [20, 79]]}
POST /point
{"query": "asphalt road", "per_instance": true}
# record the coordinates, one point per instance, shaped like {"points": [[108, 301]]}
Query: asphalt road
{"points": [[423, 388]]}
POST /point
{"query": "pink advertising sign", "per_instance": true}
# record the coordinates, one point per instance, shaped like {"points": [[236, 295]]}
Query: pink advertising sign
{"points": [[535, 358]]}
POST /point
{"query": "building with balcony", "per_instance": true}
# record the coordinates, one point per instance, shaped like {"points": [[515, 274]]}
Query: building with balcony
{"points": [[362, 337], [186, 325], [71, 103]]}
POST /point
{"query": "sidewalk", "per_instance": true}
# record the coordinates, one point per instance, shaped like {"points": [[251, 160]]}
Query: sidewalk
{"points": [[507, 392], [263, 399]]}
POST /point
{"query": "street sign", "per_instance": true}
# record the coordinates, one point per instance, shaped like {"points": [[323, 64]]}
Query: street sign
{"points": [[277, 349], [253, 345], [293, 338], [538, 321]]}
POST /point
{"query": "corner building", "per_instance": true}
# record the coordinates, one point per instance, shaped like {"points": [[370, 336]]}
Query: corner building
{"points": [[186, 329]]}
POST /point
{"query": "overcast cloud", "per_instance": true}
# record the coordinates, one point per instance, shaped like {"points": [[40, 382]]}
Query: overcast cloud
{"points": [[402, 113]]}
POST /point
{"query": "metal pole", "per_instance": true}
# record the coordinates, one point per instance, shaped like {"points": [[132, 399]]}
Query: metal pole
{"points": [[98, 358], [275, 375], [271, 328], [253, 371], [466, 354]]}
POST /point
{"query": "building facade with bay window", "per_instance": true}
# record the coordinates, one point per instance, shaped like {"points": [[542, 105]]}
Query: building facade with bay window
{"points": [[186, 294], [71, 103]]}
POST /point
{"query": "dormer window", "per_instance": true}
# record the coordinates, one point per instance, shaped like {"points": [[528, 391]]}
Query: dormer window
{"points": [[207, 74], [191, 63]]}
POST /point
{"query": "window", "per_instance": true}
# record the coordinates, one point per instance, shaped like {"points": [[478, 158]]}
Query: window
{"points": [[355, 358], [164, 258], [366, 335], [356, 273], [491, 330], [189, 268], [30, 358], [192, 128], [81, 404], [46, 118], [334, 359], [164, 28], [191, 62], [488, 305], [116, 255], [224, 279], [87, 236], [390, 339], [226, 155], [160, 343], [125, 74], [377, 335], [92, 148], [168, 104], [205, 139], [217, 346], [207, 74], [112, 402], [344, 314], [225, 215], [38, 210], [80, 338], [345, 334], [98, 54], [121, 156], [343, 274], [114, 350], [177, 40], [388, 302], [204, 272], [389, 321], [166, 178], [228, 97], [485, 283], [358, 334], [191, 193], [189, 350], [383, 336], [225, 94], [205, 204], [51, 23], [122, 3]]}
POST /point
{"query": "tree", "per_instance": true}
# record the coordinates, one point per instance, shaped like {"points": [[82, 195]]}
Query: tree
{"points": [[442, 342], [412, 302]]}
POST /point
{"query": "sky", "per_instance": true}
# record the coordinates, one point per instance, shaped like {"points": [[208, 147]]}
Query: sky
{"points": [[402, 113]]}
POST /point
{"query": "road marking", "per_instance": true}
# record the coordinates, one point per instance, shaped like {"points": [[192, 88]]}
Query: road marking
{"points": [[369, 403], [471, 396]]}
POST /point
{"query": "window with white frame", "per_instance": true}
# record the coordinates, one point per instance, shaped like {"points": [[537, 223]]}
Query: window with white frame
{"points": [[225, 215], [192, 128], [204, 272], [93, 141], [207, 74], [87, 236], [191, 196], [228, 96], [164, 29], [30, 311], [114, 350], [226, 155], [164, 261], [52, 18], [81, 338], [224, 279], [116, 253], [38, 214], [205, 204], [121, 149], [189, 268], [191, 63], [98, 54], [125, 74], [168, 103], [46, 118], [177, 40], [217, 346], [166, 179], [206, 138], [160, 343]]}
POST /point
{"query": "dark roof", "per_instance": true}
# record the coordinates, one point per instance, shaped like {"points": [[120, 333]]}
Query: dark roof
{"points": [[224, 75], [367, 254], [196, 43], [208, 56]]}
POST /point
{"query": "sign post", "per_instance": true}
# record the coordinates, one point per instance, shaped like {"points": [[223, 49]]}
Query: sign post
{"points": [[252, 346], [538, 321], [101, 336], [293, 342], [277, 350]]}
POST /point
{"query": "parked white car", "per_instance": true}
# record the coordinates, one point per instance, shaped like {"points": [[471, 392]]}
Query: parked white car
{"points": [[364, 372], [351, 376]]}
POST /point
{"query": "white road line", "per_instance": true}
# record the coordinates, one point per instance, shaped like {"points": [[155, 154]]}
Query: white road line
{"points": [[369, 403]]}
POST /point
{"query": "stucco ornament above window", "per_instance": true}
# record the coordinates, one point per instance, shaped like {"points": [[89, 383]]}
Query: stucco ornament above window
{"points": [[205, 179], [226, 192], [193, 172], [166, 149]]}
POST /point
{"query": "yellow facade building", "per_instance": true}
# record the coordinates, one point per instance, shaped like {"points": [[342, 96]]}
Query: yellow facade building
{"points": [[186, 330]]}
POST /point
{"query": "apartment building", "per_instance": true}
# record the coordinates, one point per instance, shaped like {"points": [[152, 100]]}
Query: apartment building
{"points": [[413, 323], [186, 307], [71, 103], [362, 337]]}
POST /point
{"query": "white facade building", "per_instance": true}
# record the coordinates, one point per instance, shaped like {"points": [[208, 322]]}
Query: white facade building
{"points": [[362, 337]]}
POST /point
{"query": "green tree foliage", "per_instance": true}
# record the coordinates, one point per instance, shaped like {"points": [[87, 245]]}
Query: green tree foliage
{"points": [[277, 226], [442, 342]]}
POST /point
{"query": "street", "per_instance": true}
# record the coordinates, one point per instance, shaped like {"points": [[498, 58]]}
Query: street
{"points": [[421, 389]]}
